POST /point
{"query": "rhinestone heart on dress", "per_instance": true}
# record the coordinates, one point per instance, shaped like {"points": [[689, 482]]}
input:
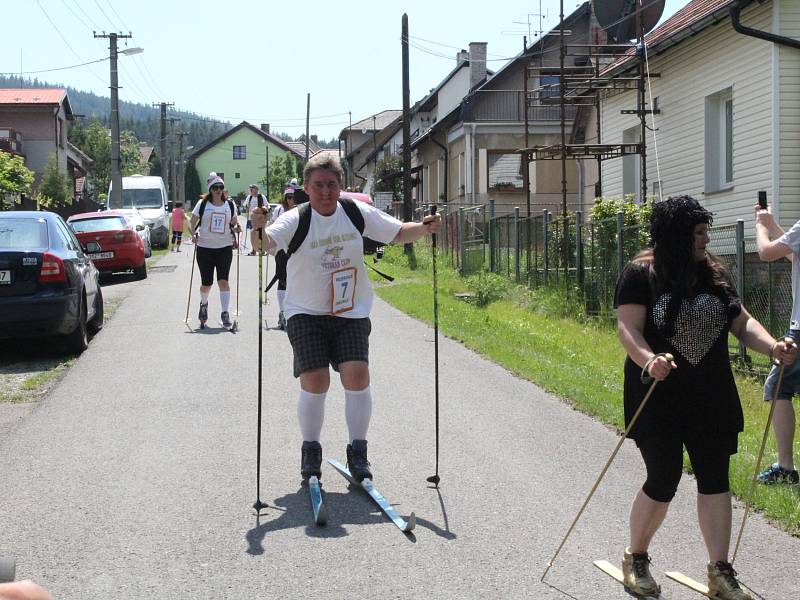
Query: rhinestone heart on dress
{"points": [[699, 322]]}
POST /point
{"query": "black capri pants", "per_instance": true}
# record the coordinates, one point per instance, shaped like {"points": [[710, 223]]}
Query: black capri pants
{"points": [[209, 259], [663, 458]]}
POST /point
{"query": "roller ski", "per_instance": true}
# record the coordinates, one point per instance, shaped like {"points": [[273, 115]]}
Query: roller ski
{"points": [[357, 473], [226, 323], [722, 582], [311, 470], [634, 576], [203, 314]]}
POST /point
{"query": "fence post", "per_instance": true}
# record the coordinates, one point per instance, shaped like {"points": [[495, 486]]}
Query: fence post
{"points": [[545, 250], [492, 236], [579, 248], [516, 244], [461, 246], [740, 274], [444, 229], [620, 257]]}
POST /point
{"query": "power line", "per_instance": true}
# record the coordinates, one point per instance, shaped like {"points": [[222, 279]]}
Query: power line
{"points": [[153, 79], [105, 15], [65, 39], [114, 10], [74, 14], [91, 62], [413, 37], [88, 18]]}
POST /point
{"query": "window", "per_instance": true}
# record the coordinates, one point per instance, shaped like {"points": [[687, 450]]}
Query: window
{"points": [[550, 80], [221, 175], [505, 171], [239, 152], [236, 175], [719, 141]]}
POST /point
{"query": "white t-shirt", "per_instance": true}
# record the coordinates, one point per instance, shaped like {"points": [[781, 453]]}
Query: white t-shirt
{"points": [[792, 239], [276, 212], [327, 275], [251, 203], [214, 231]]}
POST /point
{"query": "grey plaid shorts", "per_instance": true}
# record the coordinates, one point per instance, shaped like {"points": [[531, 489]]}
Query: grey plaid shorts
{"points": [[320, 340]]}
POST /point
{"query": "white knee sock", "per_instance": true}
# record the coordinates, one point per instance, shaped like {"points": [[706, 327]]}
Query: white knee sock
{"points": [[310, 415], [281, 296], [357, 412], [225, 300], [203, 297]]}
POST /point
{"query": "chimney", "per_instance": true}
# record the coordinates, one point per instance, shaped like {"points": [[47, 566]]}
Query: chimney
{"points": [[477, 63], [462, 56], [265, 127]]}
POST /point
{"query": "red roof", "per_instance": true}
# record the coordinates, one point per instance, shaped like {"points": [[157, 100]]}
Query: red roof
{"points": [[690, 14], [32, 95]]}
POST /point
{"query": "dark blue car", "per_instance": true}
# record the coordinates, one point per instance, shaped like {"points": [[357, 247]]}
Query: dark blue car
{"points": [[48, 285]]}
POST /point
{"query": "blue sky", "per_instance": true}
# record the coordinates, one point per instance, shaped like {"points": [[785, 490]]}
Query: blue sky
{"points": [[256, 60]]}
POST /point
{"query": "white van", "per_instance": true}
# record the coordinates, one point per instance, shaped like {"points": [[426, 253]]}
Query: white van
{"points": [[148, 194]]}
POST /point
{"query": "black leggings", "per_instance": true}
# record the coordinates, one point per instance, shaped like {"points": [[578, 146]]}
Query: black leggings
{"points": [[663, 458], [209, 259]]}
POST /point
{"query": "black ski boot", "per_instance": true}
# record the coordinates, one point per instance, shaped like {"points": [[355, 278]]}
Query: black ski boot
{"points": [[203, 314], [357, 462], [311, 460], [225, 319]]}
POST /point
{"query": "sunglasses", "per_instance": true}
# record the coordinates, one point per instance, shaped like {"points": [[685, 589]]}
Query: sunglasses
{"points": [[218, 188]]}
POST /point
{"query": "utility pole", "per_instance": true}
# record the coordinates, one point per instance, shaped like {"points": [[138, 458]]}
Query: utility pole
{"points": [[116, 168], [181, 188], [407, 209], [163, 140], [171, 152], [308, 116]]}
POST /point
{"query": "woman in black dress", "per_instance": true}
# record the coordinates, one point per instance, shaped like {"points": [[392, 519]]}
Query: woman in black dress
{"points": [[677, 298]]}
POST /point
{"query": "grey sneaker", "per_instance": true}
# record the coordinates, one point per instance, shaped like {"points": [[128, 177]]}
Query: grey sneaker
{"points": [[203, 314], [225, 317], [357, 462], [722, 583], [311, 460], [636, 574]]}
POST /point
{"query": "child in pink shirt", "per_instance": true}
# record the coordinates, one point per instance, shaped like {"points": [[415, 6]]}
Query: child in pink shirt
{"points": [[178, 218]]}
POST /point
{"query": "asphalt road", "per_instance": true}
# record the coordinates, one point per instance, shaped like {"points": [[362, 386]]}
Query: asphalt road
{"points": [[135, 477]]}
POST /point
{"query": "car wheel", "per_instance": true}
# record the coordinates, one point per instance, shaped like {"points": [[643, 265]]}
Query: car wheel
{"points": [[148, 251], [96, 324], [78, 340], [141, 272]]}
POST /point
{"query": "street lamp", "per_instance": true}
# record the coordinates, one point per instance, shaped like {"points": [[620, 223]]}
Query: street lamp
{"points": [[115, 201]]}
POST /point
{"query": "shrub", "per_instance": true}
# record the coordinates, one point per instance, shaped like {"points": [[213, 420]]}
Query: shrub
{"points": [[487, 287]]}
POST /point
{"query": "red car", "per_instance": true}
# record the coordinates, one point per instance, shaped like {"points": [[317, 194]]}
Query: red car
{"points": [[111, 241]]}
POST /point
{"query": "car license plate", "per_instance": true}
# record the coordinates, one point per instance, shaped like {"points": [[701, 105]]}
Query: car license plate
{"points": [[5, 277], [101, 255]]}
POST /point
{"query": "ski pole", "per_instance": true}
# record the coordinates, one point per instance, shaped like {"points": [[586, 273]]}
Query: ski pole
{"points": [[239, 248], [789, 343], [635, 417], [258, 504], [434, 479], [191, 280]]}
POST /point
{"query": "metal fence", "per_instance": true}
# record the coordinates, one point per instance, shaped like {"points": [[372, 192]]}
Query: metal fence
{"points": [[583, 260]]}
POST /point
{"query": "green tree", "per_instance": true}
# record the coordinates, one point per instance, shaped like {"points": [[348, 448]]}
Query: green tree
{"points": [[16, 180], [130, 156], [388, 176], [281, 170], [55, 189], [192, 183]]}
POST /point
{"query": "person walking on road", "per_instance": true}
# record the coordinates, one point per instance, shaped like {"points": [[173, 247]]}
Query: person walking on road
{"points": [[253, 201], [782, 245], [677, 298], [214, 225], [280, 258], [178, 220], [328, 302]]}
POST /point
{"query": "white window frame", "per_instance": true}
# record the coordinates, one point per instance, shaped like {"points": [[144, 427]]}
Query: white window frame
{"points": [[719, 141]]}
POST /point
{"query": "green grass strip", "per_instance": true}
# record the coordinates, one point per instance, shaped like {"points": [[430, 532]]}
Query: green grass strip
{"points": [[577, 359]]}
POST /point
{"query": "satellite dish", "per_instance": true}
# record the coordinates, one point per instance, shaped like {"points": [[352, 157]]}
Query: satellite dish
{"points": [[618, 17]]}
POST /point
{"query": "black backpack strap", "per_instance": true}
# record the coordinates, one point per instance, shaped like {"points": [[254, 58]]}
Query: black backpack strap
{"points": [[303, 225], [200, 214], [355, 216]]}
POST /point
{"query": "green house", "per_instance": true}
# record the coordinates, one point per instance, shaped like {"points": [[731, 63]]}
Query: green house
{"points": [[239, 156]]}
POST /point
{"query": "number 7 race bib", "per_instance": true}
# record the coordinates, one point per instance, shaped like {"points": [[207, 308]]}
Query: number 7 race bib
{"points": [[343, 290]]}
